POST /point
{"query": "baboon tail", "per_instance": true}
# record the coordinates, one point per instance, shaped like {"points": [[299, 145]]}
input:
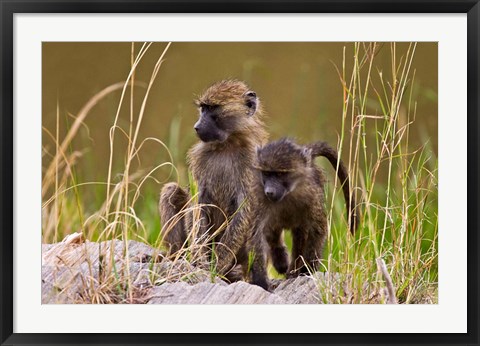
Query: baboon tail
{"points": [[325, 150]]}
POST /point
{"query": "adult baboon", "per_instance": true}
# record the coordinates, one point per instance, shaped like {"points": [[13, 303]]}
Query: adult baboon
{"points": [[229, 128]]}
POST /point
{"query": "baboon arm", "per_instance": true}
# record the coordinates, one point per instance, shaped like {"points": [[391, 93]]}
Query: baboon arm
{"points": [[232, 240]]}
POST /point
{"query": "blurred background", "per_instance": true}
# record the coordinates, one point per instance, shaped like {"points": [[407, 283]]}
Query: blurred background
{"points": [[298, 84]]}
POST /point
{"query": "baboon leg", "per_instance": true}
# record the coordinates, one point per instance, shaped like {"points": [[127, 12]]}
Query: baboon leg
{"points": [[312, 249], [258, 268], [235, 274], [278, 250], [317, 237], [174, 225], [299, 244], [313, 254], [238, 271], [255, 263], [259, 275]]}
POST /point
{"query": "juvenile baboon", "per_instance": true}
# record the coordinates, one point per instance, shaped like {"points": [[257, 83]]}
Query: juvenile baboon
{"points": [[229, 128], [289, 193]]}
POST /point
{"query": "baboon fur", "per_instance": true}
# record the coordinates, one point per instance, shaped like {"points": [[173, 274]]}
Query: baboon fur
{"points": [[230, 128], [172, 200], [289, 193]]}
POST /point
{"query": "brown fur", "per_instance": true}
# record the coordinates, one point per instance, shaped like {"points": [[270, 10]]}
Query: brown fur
{"points": [[172, 199], [297, 202], [223, 170]]}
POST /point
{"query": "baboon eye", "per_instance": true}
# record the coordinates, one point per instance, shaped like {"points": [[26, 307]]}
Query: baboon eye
{"points": [[277, 175], [271, 174], [207, 108], [251, 94]]}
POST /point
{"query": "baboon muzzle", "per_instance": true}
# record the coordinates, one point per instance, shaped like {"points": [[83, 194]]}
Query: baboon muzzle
{"points": [[272, 194], [205, 132]]}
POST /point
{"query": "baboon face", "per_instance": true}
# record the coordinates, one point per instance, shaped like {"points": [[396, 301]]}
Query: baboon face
{"points": [[224, 110], [282, 165], [276, 185]]}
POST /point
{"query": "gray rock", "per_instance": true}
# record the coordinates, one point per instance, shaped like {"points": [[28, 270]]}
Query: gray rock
{"points": [[88, 272], [209, 293], [301, 290]]}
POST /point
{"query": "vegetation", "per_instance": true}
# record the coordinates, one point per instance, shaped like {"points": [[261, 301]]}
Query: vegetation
{"points": [[396, 186]]}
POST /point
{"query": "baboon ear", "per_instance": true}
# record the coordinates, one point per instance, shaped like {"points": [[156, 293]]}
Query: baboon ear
{"points": [[307, 155], [251, 101]]}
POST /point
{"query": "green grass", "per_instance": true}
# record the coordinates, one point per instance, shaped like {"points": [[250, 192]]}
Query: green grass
{"points": [[395, 185]]}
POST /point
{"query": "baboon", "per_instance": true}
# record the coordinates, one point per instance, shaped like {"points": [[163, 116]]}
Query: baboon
{"points": [[289, 194], [229, 128]]}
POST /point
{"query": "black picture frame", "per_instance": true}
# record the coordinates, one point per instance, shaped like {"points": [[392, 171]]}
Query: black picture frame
{"points": [[10, 7]]}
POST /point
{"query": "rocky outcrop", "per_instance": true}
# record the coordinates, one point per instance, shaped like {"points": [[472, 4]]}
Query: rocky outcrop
{"points": [[89, 272], [301, 290]]}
